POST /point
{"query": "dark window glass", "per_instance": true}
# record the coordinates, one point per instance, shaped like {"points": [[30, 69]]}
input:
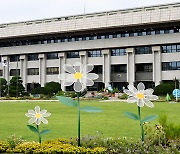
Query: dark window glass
{"points": [[32, 57], [118, 52], [171, 66], [33, 71], [52, 70], [1, 72], [170, 48], [52, 55], [144, 67], [118, 68], [14, 58], [14, 72], [97, 69], [95, 53], [73, 54], [143, 50]]}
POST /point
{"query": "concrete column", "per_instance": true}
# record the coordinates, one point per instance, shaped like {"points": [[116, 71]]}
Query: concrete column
{"points": [[6, 69], [23, 69], [106, 67], [130, 66], [42, 69], [83, 57], [157, 77], [62, 61]]}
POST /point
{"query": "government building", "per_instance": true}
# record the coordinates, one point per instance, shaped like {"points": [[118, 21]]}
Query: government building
{"points": [[125, 46]]}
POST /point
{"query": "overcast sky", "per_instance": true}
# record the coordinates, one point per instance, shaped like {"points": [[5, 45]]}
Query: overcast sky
{"points": [[23, 10]]}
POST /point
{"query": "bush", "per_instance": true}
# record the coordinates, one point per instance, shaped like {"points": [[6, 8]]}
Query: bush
{"points": [[39, 90], [164, 88], [52, 88], [123, 96]]}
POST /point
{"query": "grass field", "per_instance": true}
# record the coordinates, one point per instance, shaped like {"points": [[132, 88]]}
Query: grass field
{"points": [[63, 121]]}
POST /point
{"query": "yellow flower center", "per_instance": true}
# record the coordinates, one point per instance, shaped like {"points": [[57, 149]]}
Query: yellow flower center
{"points": [[78, 75], [38, 115], [140, 95]]}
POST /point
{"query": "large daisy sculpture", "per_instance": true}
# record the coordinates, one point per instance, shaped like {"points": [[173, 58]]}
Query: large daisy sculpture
{"points": [[141, 97], [81, 77], [37, 116]]}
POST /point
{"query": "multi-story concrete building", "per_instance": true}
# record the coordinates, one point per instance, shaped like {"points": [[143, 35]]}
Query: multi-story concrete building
{"points": [[126, 46]]}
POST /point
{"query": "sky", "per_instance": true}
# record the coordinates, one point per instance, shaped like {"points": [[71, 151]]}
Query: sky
{"points": [[24, 10]]}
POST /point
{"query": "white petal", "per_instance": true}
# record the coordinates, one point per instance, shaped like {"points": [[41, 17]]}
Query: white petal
{"points": [[69, 82], [38, 121], [128, 92], [151, 97], [31, 112], [37, 109], [131, 100], [140, 102], [78, 67], [92, 76], [78, 86], [69, 68], [46, 114], [87, 82], [88, 68], [140, 86], [132, 88], [29, 115], [43, 112], [148, 103], [32, 120], [64, 76], [44, 120], [148, 91]]}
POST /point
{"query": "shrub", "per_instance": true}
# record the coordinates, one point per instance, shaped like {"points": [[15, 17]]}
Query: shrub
{"points": [[123, 96], [39, 90], [52, 88], [164, 88], [172, 131], [14, 141]]}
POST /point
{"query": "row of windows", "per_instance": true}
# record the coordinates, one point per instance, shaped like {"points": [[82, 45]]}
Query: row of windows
{"points": [[142, 32], [147, 67], [170, 48], [171, 66], [97, 53]]}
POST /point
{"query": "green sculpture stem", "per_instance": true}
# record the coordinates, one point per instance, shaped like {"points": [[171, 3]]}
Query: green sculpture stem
{"points": [[38, 133], [141, 124], [79, 131]]}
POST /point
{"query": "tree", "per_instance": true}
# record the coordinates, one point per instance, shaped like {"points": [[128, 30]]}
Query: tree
{"points": [[16, 87], [3, 87], [52, 88]]}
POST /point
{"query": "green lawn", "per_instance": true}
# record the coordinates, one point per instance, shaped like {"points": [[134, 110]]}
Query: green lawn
{"points": [[63, 121]]}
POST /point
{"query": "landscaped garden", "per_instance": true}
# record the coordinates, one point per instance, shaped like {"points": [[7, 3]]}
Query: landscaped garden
{"points": [[111, 123]]}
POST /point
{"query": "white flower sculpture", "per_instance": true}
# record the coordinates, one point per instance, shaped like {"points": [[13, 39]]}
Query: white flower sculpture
{"points": [[36, 116], [79, 75], [140, 95]]}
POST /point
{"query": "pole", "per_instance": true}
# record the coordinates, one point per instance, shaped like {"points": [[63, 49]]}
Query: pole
{"points": [[79, 131]]}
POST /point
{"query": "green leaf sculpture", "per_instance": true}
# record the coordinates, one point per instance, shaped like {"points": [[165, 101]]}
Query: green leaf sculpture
{"points": [[67, 101]]}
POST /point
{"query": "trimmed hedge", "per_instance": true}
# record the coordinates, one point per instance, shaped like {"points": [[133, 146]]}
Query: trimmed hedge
{"points": [[164, 88]]}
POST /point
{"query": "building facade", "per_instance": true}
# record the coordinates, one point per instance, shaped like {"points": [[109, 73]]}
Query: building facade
{"points": [[126, 46]]}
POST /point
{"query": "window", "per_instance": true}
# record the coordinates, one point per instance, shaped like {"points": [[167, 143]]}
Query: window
{"points": [[52, 55], [97, 69], [33, 71], [14, 72], [73, 54], [143, 50], [95, 53], [170, 48], [118, 52], [14, 58], [1, 72], [52, 70], [118, 68], [144, 67], [171, 66], [33, 57]]}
